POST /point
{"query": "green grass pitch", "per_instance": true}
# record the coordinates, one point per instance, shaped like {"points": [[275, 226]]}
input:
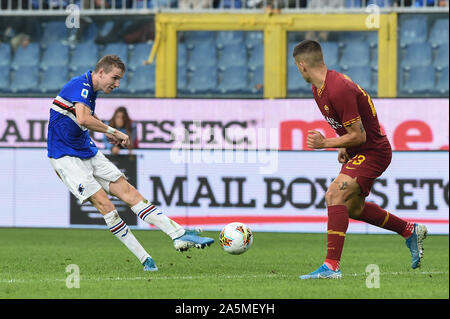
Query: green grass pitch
{"points": [[33, 265]]}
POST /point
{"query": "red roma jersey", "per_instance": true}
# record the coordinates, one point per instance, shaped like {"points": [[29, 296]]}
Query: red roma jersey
{"points": [[342, 103]]}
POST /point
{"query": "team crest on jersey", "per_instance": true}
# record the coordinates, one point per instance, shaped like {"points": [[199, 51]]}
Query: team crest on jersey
{"points": [[327, 108], [81, 189]]}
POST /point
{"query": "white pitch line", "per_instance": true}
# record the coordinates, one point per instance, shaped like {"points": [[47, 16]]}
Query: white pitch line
{"points": [[13, 281]]}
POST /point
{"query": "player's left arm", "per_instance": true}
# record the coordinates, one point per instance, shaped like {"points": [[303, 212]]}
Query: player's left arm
{"points": [[356, 136]]}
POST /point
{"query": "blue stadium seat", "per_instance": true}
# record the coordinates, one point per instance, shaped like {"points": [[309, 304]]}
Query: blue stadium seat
{"points": [[54, 31], [351, 36], [420, 79], [336, 68], [90, 34], [442, 84], [355, 54], [203, 80], [374, 60], [5, 54], [194, 37], [202, 54], [413, 30], [290, 50], [330, 52], [229, 37], [361, 75], [54, 78], [181, 54], [256, 82], [439, 33], [4, 79], [25, 79], [234, 80], [372, 39], [181, 78], [232, 55], [256, 57], [120, 49], [141, 52], [254, 38], [143, 80], [105, 29], [441, 58], [417, 54], [56, 54], [28, 56], [295, 81], [84, 55]]}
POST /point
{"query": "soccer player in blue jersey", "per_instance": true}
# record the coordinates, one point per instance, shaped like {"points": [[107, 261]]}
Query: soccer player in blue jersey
{"points": [[88, 174]]}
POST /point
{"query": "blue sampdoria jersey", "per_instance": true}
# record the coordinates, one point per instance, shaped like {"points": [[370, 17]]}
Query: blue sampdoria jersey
{"points": [[65, 135]]}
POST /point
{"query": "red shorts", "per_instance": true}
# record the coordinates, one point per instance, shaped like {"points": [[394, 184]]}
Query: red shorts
{"points": [[366, 166]]}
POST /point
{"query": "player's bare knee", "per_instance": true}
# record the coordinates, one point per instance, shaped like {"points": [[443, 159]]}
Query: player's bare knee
{"points": [[334, 197]]}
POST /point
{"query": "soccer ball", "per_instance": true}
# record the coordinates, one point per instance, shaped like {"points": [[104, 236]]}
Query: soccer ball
{"points": [[236, 238]]}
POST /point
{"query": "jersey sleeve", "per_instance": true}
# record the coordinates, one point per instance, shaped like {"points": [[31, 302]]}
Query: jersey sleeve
{"points": [[81, 92], [345, 102]]}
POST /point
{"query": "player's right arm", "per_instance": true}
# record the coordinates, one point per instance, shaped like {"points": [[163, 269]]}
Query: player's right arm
{"points": [[86, 119]]}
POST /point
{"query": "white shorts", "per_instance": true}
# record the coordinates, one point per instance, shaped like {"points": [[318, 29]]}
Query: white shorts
{"points": [[85, 177]]}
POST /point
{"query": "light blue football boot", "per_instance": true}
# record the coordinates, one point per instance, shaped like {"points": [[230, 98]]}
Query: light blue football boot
{"points": [[323, 273], [415, 244], [191, 239], [149, 265]]}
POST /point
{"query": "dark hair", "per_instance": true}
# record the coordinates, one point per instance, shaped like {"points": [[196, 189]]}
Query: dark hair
{"points": [[108, 62], [311, 51], [126, 121]]}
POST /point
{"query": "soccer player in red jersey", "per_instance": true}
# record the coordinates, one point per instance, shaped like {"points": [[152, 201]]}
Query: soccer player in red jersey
{"points": [[364, 153]]}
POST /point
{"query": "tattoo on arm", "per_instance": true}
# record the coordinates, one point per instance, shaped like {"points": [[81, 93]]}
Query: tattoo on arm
{"points": [[343, 186]]}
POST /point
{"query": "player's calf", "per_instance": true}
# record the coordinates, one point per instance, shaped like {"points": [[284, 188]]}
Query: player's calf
{"points": [[120, 229]]}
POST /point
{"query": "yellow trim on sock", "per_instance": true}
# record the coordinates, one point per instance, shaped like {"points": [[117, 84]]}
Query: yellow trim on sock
{"points": [[333, 232]]}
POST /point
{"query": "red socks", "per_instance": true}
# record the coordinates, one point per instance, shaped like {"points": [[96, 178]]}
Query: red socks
{"points": [[337, 227], [372, 214], [377, 216]]}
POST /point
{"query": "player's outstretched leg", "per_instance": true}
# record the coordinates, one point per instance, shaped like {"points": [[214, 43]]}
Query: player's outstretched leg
{"points": [[413, 233], [145, 210], [182, 239]]}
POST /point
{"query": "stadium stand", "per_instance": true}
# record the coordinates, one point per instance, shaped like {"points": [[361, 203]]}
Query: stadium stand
{"points": [[203, 79], [28, 56], [56, 55], [25, 79], [4, 79], [54, 78], [419, 79], [5, 54], [422, 41]]}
